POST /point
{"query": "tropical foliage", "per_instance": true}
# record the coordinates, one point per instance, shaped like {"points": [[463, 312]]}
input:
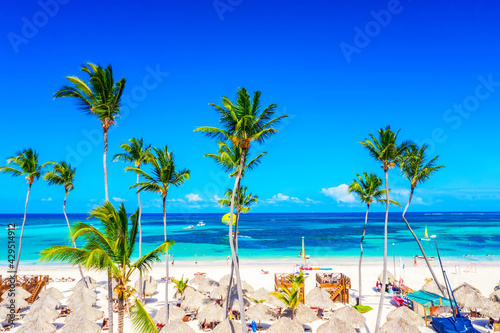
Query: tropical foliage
{"points": [[291, 297]]}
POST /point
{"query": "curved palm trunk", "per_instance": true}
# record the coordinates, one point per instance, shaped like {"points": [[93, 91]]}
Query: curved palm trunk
{"points": [[120, 314], [361, 255], [419, 244], [384, 275], [106, 196], [110, 301], [231, 244], [22, 230], [238, 210], [141, 287], [166, 257], [71, 234]]}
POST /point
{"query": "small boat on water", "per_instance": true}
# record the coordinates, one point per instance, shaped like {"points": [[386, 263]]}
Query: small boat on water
{"points": [[426, 235], [200, 224], [189, 227]]}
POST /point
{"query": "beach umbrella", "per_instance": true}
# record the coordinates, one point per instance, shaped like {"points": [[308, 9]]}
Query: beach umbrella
{"points": [[246, 292], [3, 313], [224, 281], [390, 277], [408, 315], [20, 303], [47, 302], [260, 312], [18, 291], [177, 326], [234, 303], [263, 293], [149, 284], [42, 313], [211, 313], [492, 310], [79, 300], [85, 292], [469, 297], [196, 280], [399, 325], [432, 287], [467, 287], [319, 298], [85, 311], [53, 292], [207, 285], [303, 314], [39, 326], [227, 326], [219, 292], [174, 313], [495, 296], [351, 316], [287, 325], [188, 291], [195, 302], [91, 284], [81, 325], [335, 325], [247, 287]]}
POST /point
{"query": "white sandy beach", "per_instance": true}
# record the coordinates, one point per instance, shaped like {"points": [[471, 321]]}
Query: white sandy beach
{"points": [[485, 278]]}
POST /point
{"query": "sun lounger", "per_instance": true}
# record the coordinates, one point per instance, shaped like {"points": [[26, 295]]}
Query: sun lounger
{"points": [[264, 272]]}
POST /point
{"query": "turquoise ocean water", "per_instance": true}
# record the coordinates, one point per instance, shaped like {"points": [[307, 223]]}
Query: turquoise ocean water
{"points": [[278, 236]]}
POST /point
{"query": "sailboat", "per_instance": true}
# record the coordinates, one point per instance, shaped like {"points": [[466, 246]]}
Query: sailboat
{"points": [[303, 254], [426, 235]]}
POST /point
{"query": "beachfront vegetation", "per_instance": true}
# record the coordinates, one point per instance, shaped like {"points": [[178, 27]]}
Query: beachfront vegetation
{"points": [[242, 123], [135, 152], [291, 297], [163, 175], [416, 169], [110, 248], [386, 150], [368, 189], [24, 163], [180, 285]]}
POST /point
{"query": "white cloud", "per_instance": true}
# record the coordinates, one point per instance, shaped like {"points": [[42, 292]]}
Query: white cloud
{"points": [[192, 197], [296, 200], [339, 194], [216, 199], [116, 199], [279, 198], [46, 199], [92, 200], [309, 200]]}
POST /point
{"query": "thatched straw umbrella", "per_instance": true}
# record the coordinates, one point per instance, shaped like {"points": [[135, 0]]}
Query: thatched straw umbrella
{"points": [[53, 292], [351, 316], [39, 326], [335, 325], [469, 297], [399, 325], [319, 298], [287, 325], [80, 299], [224, 281], [47, 301], [467, 287], [18, 291], [91, 284], [495, 296], [174, 313], [177, 326], [260, 312], [42, 313], [390, 278], [303, 314], [3, 313], [149, 284], [219, 292], [188, 291], [234, 303], [408, 315], [82, 325], [84, 311], [211, 313], [432, 287], [196, 280], [195, 302], [492, 310], [227, 326], [207, 285], [84, 292], [20, 303]]}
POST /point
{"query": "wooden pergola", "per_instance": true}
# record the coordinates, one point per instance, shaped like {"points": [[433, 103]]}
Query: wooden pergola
{"points": [[336, 284]]}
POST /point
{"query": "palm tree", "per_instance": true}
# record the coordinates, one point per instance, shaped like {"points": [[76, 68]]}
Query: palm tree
{"points": [[135, 152], [63, 174], [416, 170], [164, 174], [26, 164], [291, 297], [386, 150], [99, 98], [368, 189], [180, 285], [242, 123], [109, 248]]}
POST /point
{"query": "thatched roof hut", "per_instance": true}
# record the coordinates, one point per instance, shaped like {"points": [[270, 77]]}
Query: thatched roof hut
{"points": [[335, 325], [408, 315], [174, 313], [42, 313], [195, 302], [211, 313], [196, 280], [207, 285], [303, 314], [177, 326], [287, 325], [399, 325], [220, 292], [469, 297], [319, 298], [47, 302], [82, 325], [228, 326], [39, 326], [84, 311], [390, 278], [351, 316], [432, 287], [260, 312], [53, 292]]}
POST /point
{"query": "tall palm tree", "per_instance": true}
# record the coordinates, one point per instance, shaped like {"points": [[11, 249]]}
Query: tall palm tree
{"points": [[163, 175], [416, 170], [385, 150], [109, 248], [26, 164], [368, 189], [100, 98], [135, 152], [63, 174], [242, 123]]}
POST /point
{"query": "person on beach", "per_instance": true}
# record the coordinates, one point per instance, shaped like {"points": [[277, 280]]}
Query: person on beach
{"points": [[415, 262]]}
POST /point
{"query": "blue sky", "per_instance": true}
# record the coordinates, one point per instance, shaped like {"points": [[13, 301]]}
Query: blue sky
{"points": [[339, 69]]}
